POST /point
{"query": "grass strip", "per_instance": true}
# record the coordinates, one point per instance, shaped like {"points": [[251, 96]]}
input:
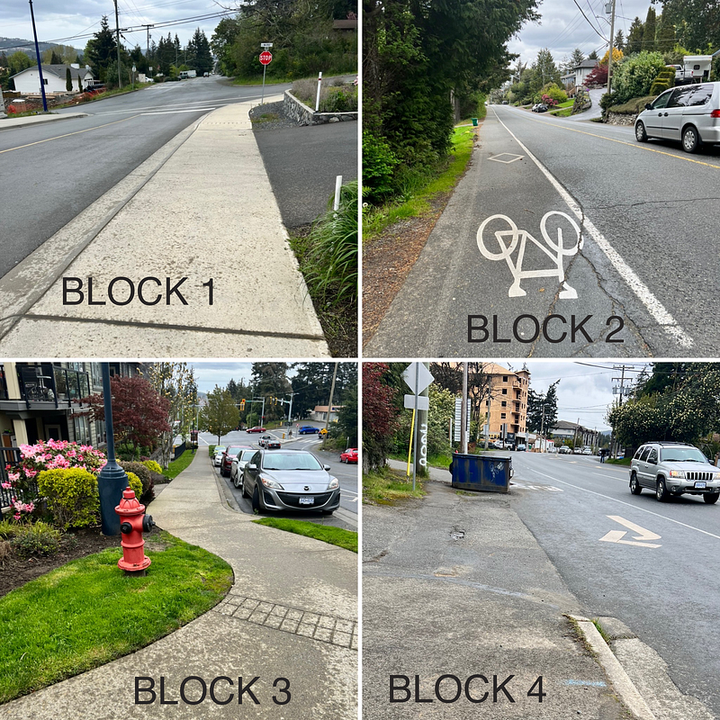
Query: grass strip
{"points": [[327, 533], [416, 203], [386, 486], [177, 466], [622, 461], [87, 612]]}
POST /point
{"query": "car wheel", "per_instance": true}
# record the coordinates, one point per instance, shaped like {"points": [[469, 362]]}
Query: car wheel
{"points": [[690, 139], [711, 498], [256, 500], [236, 481], [635, 488], [640, 133], [661, 492], [243, 485]]}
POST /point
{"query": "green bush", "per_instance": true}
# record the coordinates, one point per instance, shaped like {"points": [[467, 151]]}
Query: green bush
{"points": [[379, 163], [146, 478], [9, 529], [634, 77], [211, 450], [555, 92], [72, 496], [36, 539]]}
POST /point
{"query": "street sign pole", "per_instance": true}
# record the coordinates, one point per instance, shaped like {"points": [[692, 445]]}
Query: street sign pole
{"points": [[262, 102], [417, 371]]}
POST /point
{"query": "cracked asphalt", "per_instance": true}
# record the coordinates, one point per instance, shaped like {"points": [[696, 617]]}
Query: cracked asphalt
{"points": [[642, 282]]}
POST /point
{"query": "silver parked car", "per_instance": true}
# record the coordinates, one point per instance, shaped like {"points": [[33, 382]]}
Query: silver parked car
{"points": [[670, 469], [238, 465], [689, 114], [217, 456], [290, 480]]}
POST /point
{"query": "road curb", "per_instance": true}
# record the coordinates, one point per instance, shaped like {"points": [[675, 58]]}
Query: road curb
{"points": [[621, 682], [10, 123]]}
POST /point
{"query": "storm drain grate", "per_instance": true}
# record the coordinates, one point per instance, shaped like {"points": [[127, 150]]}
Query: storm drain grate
{"points": [[457, 534]]}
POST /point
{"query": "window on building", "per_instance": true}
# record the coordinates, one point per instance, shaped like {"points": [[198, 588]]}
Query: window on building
{"points": [[505, 378], [503, 416], [504, 391]]}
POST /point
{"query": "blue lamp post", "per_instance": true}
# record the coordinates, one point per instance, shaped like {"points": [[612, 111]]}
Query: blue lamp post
{"points": [[112, 479]]}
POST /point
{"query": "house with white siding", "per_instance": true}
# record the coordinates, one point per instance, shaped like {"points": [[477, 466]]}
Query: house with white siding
{"points": [[27, 81]]}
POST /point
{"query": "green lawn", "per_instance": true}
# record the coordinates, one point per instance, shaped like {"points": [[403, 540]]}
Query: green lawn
{"points": [[87, 612], [385, 486], [327, 533], [177, 466], [623, 461]]}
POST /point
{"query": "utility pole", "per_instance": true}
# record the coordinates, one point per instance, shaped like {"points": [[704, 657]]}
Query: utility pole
{"points": [[612, 40], [487, 423], [332, 392], [147, 42], [39, 62], [117, 42]]}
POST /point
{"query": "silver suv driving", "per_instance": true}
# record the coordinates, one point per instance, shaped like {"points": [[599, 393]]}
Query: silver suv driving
{"points": [[689, 113], [671, 469]]}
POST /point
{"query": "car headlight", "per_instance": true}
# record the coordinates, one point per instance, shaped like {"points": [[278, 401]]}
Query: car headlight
{"points": [[677, 473], [333, 483], [716, 476], [269, 483]]}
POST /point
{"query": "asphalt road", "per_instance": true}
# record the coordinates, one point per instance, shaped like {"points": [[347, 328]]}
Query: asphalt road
{"points": [[346, 516], [646, 271], [302, 163], [666, 588], [52, 171]]}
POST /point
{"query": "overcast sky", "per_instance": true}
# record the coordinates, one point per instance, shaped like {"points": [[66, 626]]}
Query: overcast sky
{"points": [[59, 19], [562, 27], [210, 374], [585, 389]]}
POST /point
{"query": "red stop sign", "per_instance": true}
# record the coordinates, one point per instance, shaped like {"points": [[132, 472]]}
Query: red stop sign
{"points": [[265, 57]]}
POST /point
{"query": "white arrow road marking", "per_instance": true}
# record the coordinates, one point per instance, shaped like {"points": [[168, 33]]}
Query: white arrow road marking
{"points": [[615, 536]]}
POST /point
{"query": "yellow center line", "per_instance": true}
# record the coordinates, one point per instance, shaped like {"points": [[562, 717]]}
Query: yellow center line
{"points": [[77, 132], [624, 142]]}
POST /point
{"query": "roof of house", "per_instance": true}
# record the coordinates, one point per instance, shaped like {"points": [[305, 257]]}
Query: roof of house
{"points": [[587, 63], [60, 70]]}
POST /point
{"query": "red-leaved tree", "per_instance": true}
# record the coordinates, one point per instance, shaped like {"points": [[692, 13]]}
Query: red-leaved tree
{"points": [[140, 415], [379, 415], [598, 76]]}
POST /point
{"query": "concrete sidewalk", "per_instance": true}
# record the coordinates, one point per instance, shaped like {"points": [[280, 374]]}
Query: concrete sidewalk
{"points": [[455, 584], [291, 613], [13, 122], [201, 208]]}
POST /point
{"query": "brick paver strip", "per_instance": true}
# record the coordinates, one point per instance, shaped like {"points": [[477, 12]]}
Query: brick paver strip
{"points": [[324, 628]]}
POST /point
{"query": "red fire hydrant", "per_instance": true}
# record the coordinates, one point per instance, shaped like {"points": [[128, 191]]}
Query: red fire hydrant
{"points": [[134, 523]]}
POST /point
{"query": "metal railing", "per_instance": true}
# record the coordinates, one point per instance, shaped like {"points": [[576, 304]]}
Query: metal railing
{"points": [[46, 383]]}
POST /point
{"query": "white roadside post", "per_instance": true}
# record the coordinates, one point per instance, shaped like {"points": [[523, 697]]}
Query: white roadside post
{"points": [[317, 98], [338, 185]]}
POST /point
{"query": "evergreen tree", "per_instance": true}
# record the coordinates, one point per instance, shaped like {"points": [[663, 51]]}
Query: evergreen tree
{"points": [[575, 59], [634, 42], [649, 30], [665, 38], [101, 51], [68, 80], [546, 69], [619, 41], [593, 55]]}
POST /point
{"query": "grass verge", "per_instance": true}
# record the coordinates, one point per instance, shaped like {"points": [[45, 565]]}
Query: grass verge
{"points": [[416, 202], [327, 533], [622, 461], [177, 466], [386, 486], [87, 612]]}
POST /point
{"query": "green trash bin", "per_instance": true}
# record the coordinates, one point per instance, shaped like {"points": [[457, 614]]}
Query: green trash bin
{"points": [[474, 122]]}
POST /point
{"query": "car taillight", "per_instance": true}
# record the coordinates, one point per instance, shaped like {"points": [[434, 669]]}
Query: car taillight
{"points": [[715, 114]]}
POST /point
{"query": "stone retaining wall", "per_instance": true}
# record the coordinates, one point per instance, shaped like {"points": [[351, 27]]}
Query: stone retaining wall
{"points": [[302, 114], [621, 118]]}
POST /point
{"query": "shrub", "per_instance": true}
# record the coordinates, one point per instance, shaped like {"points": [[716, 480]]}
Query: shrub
{"points": [[36, 539], [339, 99], [152, 466], [145, 475], [136, 485], [72, 496], [555, 92], [379, 163], [8, 529], [634, 77]]}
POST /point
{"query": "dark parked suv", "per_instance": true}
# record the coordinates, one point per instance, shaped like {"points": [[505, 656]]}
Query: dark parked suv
{"points": [[670, 469]]}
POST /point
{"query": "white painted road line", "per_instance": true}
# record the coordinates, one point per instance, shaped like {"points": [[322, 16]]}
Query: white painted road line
{"points": [[634, 507], [656, 309]]}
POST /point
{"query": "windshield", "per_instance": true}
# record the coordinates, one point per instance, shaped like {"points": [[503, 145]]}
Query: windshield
{"points": [[291, 461], [245, 455], [234, 450], [682, 454]]}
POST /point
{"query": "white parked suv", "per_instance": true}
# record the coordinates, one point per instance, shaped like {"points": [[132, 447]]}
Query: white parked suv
{"points": [[671, 469], [688, 113]]}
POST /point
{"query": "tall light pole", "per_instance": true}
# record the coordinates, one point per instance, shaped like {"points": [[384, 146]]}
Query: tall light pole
{"points": [[612, 40], [39, 62]]}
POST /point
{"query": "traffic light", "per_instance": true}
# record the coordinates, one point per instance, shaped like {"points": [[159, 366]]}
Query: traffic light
{"points": [[242, 404]]}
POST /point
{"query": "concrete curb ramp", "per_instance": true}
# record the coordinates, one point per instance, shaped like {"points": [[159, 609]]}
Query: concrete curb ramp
{"points": [[204, 212]]}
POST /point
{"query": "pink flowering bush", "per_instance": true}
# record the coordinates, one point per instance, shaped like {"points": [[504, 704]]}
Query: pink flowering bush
{"points": [[49, 455]]}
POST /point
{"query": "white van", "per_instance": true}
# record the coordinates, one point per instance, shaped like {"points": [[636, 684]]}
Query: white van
{"points": [[689, 114]]}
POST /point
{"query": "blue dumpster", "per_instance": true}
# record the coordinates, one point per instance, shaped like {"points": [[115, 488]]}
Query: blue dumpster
{"points": [[486, 473]]}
